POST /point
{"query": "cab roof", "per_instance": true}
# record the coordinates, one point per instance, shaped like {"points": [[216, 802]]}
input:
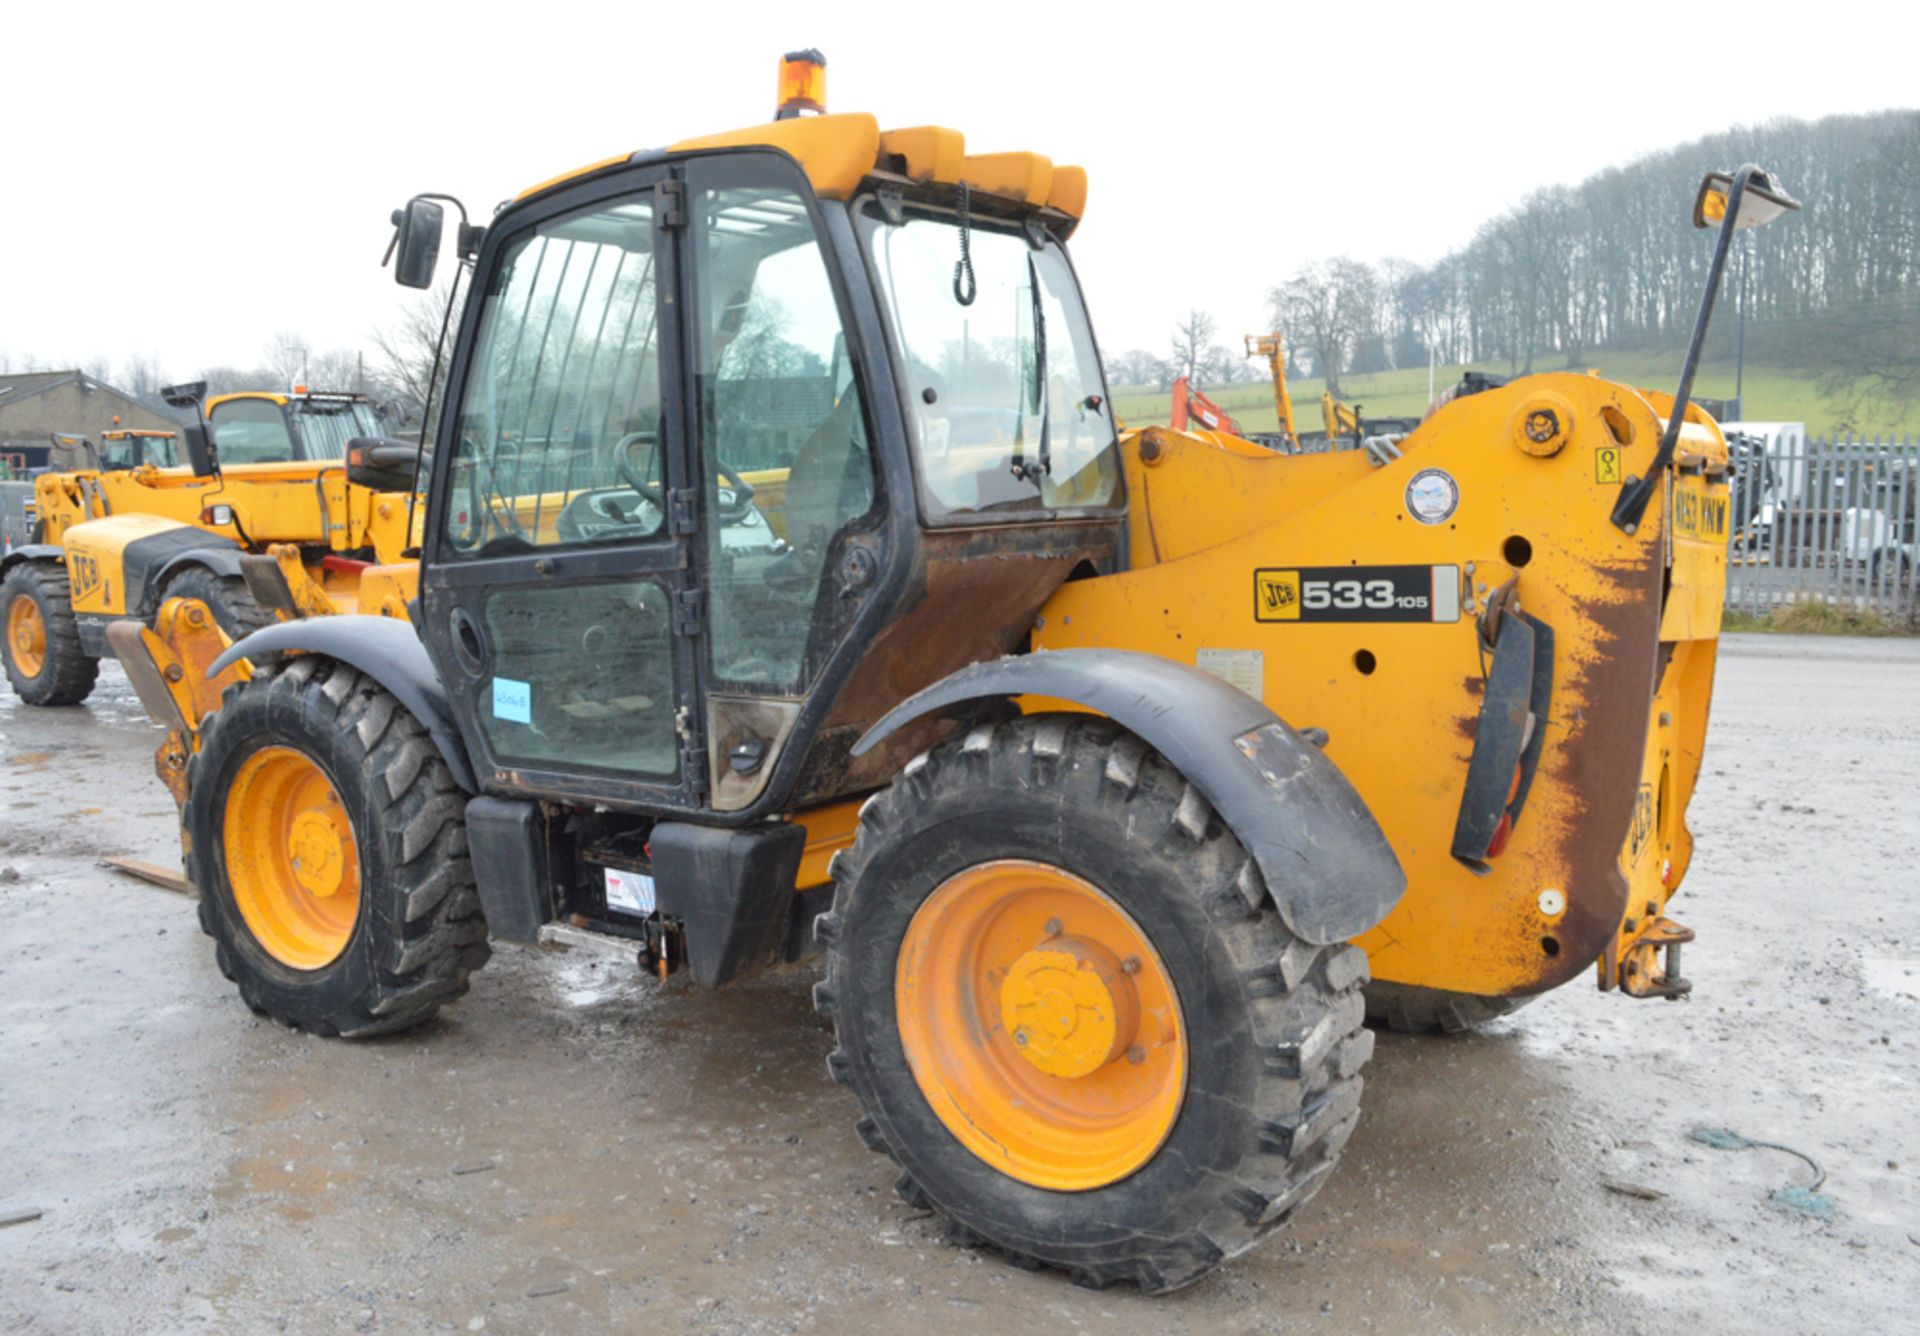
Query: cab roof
{"points": [[275, 396], [839, 151]]}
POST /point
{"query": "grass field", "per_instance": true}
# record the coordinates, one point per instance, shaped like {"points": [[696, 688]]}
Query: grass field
{"points": [[1773, 395]]}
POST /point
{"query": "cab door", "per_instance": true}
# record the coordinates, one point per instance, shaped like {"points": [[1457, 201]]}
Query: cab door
{"points": [[790, 500], [556, 595]]}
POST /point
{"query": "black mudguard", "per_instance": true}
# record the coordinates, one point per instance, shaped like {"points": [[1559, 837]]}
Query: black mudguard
{"points": [[385, 649], [32, 552], [1327, 864]]}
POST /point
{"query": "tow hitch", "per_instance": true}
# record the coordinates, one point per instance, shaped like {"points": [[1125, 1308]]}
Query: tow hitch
{"points": [[1650, 961]]}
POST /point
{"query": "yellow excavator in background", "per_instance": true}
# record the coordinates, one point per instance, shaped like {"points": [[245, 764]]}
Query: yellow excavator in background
{"points": [[1099, 765]]}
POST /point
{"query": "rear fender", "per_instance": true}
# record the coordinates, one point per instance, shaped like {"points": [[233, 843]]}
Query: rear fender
{"points": [[1327, 865], [384, 649]]}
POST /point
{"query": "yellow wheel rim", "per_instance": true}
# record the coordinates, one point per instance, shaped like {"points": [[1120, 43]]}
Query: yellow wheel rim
{"points": [[26, 635], [291, 859], [1041, 1025]]}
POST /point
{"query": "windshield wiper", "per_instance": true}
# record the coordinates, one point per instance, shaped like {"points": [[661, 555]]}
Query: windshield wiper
{"points": [[1043, 465]]}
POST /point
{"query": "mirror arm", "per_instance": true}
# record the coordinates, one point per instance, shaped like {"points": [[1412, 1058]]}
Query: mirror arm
{"points": [[1631, 506]]}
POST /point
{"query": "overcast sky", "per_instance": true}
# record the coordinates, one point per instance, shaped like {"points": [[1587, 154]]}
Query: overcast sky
{"points": [[183, 181]]}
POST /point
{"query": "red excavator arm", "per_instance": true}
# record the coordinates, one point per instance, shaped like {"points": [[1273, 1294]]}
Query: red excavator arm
{"points": [[1190, 403]]}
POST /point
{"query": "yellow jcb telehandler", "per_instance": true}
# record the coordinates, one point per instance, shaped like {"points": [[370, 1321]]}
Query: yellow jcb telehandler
{"points": [[785, 583], [271, 505]]}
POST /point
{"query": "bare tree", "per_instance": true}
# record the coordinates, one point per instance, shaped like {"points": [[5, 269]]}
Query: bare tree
{"points": [[142, 375], [1193, 345], [1136, 366], [406, 349], [1326, 308], [287, 359]]}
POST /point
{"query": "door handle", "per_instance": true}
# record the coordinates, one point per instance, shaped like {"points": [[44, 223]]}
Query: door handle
{"points": [[469, 646]]}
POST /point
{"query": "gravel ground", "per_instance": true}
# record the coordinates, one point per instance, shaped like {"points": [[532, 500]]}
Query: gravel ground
{"points": [[575, 1148]]}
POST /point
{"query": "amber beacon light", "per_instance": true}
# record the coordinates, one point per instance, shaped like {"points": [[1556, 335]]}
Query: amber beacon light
{"points": [[803, 84]]}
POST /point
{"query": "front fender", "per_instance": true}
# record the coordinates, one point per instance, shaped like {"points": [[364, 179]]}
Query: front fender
{"points": [[1327, 865], [384, 649]]}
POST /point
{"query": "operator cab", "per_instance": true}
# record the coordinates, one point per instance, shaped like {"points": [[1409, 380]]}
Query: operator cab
{"points": [[262, 427], [737, 432]]}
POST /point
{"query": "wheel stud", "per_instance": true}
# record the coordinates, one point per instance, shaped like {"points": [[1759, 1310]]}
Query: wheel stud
{"points": [[1020, 1038]]}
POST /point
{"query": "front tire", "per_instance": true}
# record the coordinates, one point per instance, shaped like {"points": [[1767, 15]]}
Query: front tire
{"points": [[328, 841], [1049, 816], [226, 597], [44, 660]]}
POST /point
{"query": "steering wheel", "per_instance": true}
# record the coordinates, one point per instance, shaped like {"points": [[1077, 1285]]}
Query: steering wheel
{"points": [[623, 465]]}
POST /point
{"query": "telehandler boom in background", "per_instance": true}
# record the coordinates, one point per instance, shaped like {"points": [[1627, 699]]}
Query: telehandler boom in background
{"points": [[765, 603]]}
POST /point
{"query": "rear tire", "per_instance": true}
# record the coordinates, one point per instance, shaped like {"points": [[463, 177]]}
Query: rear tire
{"points": [[226, 597], [1270, 1025], [1406, 1009], [417, 933], [51, 668]]}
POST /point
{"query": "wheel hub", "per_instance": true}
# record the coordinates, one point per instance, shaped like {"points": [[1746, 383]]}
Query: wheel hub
{"points": [[291, 861], [314, 845], [27, 634], [1041, 1024], [1069, 1006]]}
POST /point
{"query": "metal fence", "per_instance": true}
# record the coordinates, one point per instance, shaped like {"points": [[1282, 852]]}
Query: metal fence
{"points": [[1827, 519]]}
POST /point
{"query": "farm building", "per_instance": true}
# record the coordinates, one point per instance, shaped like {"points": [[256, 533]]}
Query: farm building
{"points": [[38, 403]]}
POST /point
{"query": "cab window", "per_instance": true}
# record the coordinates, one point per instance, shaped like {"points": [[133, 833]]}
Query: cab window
{"points": [[558, 438], [784, 451], [1005, 395], [251, 431]]}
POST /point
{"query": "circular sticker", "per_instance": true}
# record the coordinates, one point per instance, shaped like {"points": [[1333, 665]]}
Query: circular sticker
{"points": [[1433, 496]]}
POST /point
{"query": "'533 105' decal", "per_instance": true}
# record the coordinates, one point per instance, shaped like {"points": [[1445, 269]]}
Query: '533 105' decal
{"points": [[1357, 594]]}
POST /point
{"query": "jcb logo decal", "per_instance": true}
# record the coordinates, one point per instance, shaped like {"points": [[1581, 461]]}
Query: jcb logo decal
{"points": [[84, 570], [1643, 820], [1699, 516], [1276, 596]]}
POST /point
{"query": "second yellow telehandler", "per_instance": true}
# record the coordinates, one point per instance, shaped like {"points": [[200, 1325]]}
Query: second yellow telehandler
{"points": [[271, 505]]}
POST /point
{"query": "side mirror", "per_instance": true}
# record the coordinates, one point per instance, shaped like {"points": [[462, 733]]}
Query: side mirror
{"points": [[384, 464], [1762, 200], [185, 396], [202, 454], [416, 242]]}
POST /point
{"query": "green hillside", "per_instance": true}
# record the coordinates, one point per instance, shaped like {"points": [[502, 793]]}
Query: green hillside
{"points": [[1773, 395]]}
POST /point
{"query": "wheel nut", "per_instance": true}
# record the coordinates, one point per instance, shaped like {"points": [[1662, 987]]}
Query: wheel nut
{"points": [[1053, 927], [1136, 1055], [1131, 965], [1020, 1038]]}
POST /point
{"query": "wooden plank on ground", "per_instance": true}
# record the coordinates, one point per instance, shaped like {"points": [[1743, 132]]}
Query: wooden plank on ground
{"points": [[163, 877]]}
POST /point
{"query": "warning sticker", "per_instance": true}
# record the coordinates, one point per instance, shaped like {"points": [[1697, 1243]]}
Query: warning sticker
{"points": [[1242, 668], [1606, 464], [631, 891], [1357, 594]]}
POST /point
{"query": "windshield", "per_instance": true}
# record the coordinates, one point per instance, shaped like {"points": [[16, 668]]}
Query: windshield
{"points": [[326, 425], [1008, 407], [251, 431]]}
